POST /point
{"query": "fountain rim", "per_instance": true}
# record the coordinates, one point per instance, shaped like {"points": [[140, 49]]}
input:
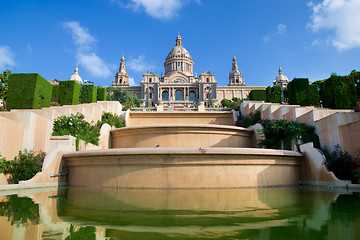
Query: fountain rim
{"points": [[184, 151], [184, 125]]}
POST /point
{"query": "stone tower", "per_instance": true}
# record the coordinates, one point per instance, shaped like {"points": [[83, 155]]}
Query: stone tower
{"points": [[121, 77], [235, 76]]}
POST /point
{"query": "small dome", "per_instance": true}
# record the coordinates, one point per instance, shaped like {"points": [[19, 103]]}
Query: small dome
{"points": [[76, 77], [178, 51], [281, 77]]}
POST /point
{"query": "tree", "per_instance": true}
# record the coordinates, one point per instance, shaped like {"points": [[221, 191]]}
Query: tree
{"points": [[121, 95], [4, 84]]}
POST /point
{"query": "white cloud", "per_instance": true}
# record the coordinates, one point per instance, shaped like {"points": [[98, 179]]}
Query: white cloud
{"points": [[29, 48], [160, 9], [132, 82], [340, 16], [80, 35], [280, 30], [94, 64], [6, 57], [85, 53], [138, 64]]}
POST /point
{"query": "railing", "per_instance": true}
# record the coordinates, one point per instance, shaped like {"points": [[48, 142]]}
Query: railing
{"points": [[148, 109], [179, 109], [218, 109]]}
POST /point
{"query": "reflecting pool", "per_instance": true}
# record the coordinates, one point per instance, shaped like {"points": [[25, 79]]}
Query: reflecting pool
{"points": [[255, 213]]}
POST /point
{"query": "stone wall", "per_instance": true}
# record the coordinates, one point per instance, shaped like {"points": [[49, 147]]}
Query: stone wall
{"points": [[333, 126], [31, 128]]}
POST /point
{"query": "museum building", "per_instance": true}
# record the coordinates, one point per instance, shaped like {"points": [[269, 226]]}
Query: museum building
{"points": [[180, 87]]}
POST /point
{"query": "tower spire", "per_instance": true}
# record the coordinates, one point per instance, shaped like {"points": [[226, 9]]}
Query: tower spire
{"points": [[178, 40]]}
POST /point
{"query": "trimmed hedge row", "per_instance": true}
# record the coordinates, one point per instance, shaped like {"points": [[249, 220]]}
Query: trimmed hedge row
{"points": [[55, 93], [298, 92], [339, 92], [69, 92], [274, 94], [88, 94], [101, 94], [257, 95], [28, 91]]}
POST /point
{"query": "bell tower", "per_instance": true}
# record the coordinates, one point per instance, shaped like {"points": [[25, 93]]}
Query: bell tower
{"points": [[235, 76], [121, 77]]}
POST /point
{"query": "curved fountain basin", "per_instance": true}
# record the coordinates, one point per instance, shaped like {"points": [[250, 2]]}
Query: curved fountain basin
{"points": [[178, 168], [181, 135], [181, 210]]}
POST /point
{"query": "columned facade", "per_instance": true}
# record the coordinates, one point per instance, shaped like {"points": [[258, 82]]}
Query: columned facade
{"points": [[180, 87]]}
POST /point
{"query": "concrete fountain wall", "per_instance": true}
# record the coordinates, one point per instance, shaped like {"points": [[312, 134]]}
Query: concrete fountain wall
{"points": [[181, 135], [176, 156]]}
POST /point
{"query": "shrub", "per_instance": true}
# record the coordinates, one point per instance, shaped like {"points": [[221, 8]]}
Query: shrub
{"points": [[341, 164], [111, 119], [20, 210], [248, 120], [55, 93], [298, 92], [69, 92], [88, 94], [76, 126], [23, 167], [101, 94], [356, 108], [282, 134], [127, 100], [339, 92], [257, 95], [314, 95], [232, 104], [274, 94], [3, 107], [28, 91], [4, 77]]}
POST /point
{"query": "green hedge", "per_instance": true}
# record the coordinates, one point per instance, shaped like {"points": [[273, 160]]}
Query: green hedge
{"points": [[314, 95], [55, 93], [101, 94], [69, 92], [28, 91], [298, 92], [273, 94], [88, 94], [257, 95], [339, 92]]}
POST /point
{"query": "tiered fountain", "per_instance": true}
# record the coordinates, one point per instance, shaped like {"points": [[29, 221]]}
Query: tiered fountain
{"points": [[182, 156]]}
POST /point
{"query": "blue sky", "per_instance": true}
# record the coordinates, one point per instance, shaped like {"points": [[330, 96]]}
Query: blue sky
{"points": [[307, 38]]}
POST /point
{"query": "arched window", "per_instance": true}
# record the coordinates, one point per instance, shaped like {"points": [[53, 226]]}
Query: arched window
{"points": [[165, 96], [207, 80], [237, 80], [192, 96], [149, 79], [179, 95]]}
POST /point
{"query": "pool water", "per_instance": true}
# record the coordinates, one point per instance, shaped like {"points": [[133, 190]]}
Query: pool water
{"points": [[253, 213]]}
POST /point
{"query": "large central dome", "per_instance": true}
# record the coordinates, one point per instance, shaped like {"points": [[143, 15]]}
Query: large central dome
{"points": [[179, 60]]}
